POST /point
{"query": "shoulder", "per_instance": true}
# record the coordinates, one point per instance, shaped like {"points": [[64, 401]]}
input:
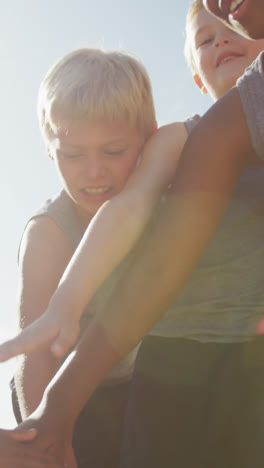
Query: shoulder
{"points": [[44, 254], [250, 84], [54, 227], [42, 228], [255, 72], [251, 91], [44, 241], [191, 122], [62, 211]]}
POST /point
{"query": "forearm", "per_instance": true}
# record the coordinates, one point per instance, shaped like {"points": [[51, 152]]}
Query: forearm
{"points": [[80, 375], [31, 379]]}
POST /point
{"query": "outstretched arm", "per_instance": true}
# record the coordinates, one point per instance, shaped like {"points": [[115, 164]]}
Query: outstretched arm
{"points": [[112, 233]]}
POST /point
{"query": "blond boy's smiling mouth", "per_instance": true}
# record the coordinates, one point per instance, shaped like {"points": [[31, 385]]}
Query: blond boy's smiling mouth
{"points": [[225, 57], [96, 190]]}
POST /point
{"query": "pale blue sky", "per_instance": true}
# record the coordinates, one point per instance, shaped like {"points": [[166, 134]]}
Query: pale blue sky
{"points": [[34, 34]]}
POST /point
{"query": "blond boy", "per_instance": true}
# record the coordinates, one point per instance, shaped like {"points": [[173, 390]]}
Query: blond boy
{"points": [[96, 112]]}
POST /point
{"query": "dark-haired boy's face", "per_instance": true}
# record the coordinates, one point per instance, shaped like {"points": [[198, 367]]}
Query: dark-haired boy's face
{"points": [[246, 17]]}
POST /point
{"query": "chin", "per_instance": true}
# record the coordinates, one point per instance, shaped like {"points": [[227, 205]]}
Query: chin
{"points": [[228, 85]]}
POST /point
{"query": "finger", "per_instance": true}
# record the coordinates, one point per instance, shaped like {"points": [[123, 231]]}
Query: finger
{"points": [[65, 340], [70, 460], [33, 337], [23, 435]]}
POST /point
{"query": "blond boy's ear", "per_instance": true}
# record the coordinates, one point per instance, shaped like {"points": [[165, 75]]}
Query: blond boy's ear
{"points": [[200, 84], [50, 154]]}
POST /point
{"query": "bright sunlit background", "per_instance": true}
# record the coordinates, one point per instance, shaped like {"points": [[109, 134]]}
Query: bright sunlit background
{"points": [[34, 34]]}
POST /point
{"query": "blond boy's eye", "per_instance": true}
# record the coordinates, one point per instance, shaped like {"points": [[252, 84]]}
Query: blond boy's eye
{"points": [[206, 41], [69, 155], [118, 152]]}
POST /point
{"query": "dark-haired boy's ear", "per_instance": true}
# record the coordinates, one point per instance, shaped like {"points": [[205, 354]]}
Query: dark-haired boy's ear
{"points": [[200, 84]]}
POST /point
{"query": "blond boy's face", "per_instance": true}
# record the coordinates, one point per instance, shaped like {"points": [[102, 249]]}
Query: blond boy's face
{"points": [[220, 54], [94, 161]]}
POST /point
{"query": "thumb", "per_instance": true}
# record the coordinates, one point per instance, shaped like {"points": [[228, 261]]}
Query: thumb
{"points": [[65, 340], [23, 435]]}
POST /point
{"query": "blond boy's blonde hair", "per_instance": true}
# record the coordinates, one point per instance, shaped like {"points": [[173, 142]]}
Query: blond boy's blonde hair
{"points": [[91, 84], [193, 9]]}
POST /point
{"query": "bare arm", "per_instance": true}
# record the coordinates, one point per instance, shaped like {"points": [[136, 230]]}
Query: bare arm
{"points": [[44, 254]]}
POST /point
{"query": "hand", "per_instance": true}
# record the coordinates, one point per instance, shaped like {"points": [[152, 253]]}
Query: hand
{"points": [[54, 433], [17, 451], [58, 329]]}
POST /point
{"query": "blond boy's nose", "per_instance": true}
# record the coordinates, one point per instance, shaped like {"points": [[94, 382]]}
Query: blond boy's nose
{"points": [[94, 168], [221, 41]]}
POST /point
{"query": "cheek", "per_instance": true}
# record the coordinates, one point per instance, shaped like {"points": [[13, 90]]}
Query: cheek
{"points": [[204, 66], [62, 170], [121, 172], [65, 172]]}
